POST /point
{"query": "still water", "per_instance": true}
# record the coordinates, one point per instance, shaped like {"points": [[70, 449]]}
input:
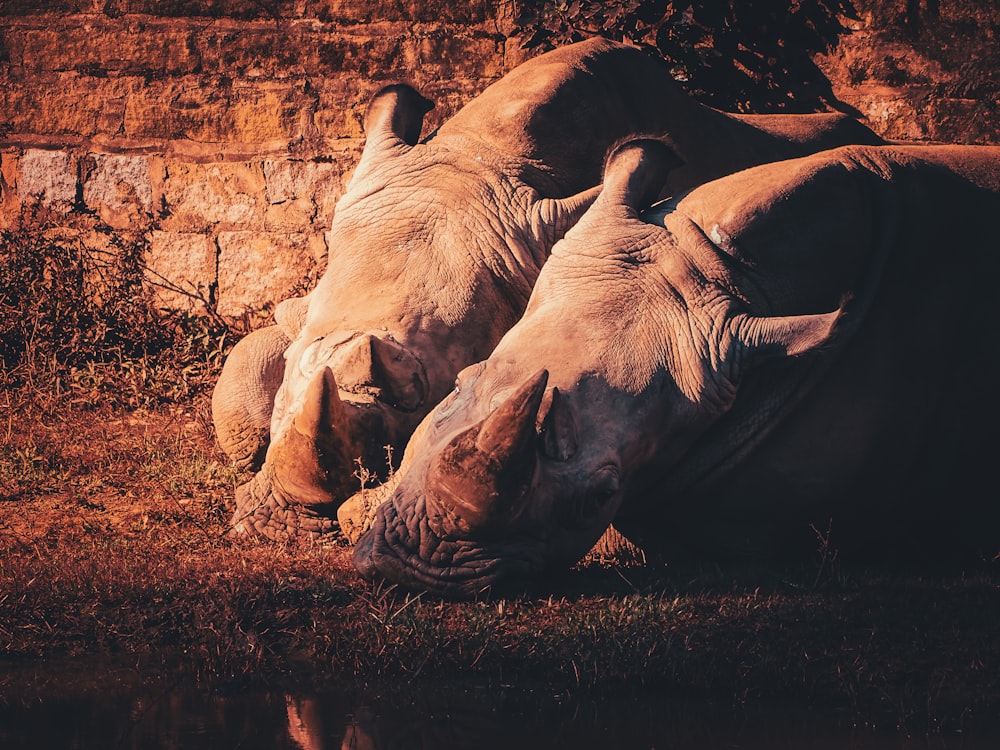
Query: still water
{"points": [[76, 706]]}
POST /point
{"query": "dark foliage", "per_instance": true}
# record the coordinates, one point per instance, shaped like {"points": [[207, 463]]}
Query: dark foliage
{"points": [[738, 55], [63, 301], [78, 313]]}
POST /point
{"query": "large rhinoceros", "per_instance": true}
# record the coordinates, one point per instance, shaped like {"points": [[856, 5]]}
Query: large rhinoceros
{"points": [[807, 340], [434, 249]]}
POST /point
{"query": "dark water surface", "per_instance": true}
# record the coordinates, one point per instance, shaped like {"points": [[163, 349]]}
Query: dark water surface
{"points": [[77, 705]]}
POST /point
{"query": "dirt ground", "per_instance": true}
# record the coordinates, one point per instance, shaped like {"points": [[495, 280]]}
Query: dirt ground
{"points": [[114, 540]]}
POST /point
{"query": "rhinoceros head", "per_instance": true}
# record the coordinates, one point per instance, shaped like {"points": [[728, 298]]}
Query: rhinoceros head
{"points": [[433, 251], [631, 346]]}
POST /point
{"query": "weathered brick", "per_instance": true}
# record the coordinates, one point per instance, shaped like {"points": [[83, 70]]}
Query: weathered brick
{"points": [[374, 57], [199, 197], [366, 11], [48, 177], [220, 110], [444, 55], [181, 269], [98, 45], [891, 113], [257, 269], [238, 9], [119, 189], [29, 7], [259, 51], [61, 104], [10, 201], [302, 193]]}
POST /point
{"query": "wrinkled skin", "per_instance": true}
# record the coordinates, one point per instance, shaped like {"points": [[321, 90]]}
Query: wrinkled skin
{"points": [[434, 250], [804, 341]]}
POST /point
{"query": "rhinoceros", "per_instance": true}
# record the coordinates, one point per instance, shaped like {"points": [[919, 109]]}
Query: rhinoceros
{"points": [[434, 249], [805, 345]]}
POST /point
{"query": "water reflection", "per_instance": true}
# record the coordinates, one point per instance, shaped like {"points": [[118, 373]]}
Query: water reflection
{"points": [[62, 708]]}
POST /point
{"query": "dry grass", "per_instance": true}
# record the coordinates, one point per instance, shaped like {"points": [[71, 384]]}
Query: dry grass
{"points": [[114, 539]]}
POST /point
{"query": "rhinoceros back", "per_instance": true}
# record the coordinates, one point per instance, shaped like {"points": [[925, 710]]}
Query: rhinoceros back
{"points": [[562, 111]]}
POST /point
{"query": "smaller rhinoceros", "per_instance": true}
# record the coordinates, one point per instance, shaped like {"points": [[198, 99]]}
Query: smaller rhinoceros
{"points": [[807, 340], [434, 249]]}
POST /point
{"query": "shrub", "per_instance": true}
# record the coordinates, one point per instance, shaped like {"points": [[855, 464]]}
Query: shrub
{"points": [[76, 315]]}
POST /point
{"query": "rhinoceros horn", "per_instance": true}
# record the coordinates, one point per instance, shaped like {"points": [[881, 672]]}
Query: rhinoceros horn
{"points": [[312, 460], [480, 481]]}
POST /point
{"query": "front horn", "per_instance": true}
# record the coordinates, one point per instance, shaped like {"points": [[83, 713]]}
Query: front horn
{"points": [[313, 459], [480, 480]]}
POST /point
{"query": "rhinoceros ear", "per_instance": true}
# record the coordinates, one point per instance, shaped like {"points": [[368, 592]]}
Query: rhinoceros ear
{"points": [[396, 111], [393, 120], [786, 336], [550, 218], [636, 171]]}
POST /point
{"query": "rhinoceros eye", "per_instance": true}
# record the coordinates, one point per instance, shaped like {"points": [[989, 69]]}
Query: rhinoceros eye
{"points": [[447, 407], [581, 508], [605, 485], [319, 351]]}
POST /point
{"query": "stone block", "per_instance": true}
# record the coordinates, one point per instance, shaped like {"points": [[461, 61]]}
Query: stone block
{"points": [[97, 45], [263, 112], [10, 201], [181, 270], [28, 7], [64, 104], [257, 270], [236, 9], [442, 56], [119, 189], [368, 11], [265, 52], [186, 107], [972, 121], [391, 54], [218, 109], [200, 197], [48, 177], [301, 193], [894, 113]]}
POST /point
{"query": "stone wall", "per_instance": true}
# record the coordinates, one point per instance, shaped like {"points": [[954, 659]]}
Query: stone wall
{"points": [[220, 134], [921, 69]]}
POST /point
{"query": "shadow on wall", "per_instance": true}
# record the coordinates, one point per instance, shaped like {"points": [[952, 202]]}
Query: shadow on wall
{"points": [[735, 55]]}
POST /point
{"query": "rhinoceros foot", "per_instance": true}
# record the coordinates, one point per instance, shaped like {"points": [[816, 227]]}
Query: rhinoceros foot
{"points": [[262, 510], [357, 514]]}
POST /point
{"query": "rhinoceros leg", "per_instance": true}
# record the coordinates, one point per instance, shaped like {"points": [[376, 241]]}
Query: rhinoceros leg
{"points": [[244, 395]]}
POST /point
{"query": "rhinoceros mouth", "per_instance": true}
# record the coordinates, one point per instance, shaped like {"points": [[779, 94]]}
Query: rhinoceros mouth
{"points": [[452, 568]]}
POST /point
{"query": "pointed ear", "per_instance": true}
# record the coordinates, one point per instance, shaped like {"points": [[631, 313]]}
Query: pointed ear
{"points": [[558, 431], [787, 336], [393, 120], [396, 111], [636, 171], [551, 218]]}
